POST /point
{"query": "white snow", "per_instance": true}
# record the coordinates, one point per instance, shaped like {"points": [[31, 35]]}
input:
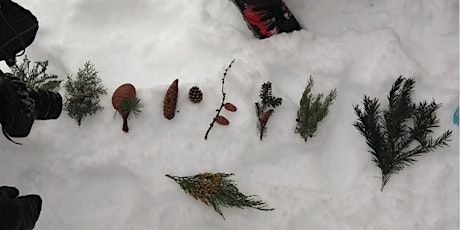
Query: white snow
{"points": [[97, 177]]}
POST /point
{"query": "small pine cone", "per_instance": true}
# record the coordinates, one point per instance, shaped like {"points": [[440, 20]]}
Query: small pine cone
{"points": [[170, 100], [195, 95]]}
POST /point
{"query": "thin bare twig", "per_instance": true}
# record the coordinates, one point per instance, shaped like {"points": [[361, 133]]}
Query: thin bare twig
{"points": [[222, 103]]}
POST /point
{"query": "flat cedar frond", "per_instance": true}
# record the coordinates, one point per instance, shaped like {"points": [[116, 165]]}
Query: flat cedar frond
{"points": [[400, 133], [217, 190]]}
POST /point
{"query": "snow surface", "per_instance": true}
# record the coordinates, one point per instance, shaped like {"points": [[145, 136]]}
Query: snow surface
{"points": [[97, 177]]}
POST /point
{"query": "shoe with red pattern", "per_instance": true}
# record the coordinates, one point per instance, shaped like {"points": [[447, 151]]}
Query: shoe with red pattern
{"points": [[265, 21]]}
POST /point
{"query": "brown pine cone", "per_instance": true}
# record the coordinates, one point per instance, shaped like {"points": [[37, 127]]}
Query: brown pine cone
{"points": [[195, 95], [170, 100]]}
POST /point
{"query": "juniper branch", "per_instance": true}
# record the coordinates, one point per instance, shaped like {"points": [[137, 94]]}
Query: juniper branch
{"points": [[312, 110]]}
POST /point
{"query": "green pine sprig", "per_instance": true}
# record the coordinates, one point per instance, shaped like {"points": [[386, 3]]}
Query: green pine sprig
{"points": [[131, 106], [313, 109], [217, 190], [400, 133]]}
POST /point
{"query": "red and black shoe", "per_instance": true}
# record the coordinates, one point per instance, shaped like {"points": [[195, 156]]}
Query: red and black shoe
{"points": [[265, 21]]}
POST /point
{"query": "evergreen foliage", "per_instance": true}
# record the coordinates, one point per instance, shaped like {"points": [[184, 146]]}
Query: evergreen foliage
{"points": [[36, 77], [217, 190], [400, 133], [83, 93], [265, 107], [131, 106], [313, 109]]}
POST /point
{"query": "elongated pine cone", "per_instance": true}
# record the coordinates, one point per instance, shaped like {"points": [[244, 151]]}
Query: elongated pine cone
{"points": [[195, 95], [170, 100]]}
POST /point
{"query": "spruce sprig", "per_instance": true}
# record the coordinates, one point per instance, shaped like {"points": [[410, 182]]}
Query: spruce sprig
{"points": [[400, 133], [313, 109], [217, 190], [265, 107]]}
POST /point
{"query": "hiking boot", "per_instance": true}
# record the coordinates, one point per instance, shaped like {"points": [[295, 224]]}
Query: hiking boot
{"points": [[267, 20]]}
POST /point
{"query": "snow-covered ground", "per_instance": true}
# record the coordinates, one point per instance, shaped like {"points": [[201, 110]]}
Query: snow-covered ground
{"points": [[97, 177]]}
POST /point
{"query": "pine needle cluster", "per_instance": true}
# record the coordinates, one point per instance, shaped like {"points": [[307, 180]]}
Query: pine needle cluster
{"points": [[36, 77], [400, 133], [83, 93], [217, 190], [313, 109], [265, 107], [131, 106]]}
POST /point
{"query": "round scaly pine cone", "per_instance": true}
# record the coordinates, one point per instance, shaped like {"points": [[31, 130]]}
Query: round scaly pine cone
{"points": [[195, 95], [170, 100]]}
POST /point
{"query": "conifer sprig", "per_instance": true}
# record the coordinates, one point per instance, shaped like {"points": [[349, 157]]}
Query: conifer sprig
{"points": [[83, 93], [36, 77], [313, 109], [131, 106], [217, 190], [265, 107], [400, 133]]}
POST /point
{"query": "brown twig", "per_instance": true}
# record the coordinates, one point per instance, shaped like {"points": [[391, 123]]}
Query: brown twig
{"points": [[222, 103]]}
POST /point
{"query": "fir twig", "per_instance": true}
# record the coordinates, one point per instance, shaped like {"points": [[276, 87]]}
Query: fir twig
{"points": [[400, 133], [222, 103], [217, 190], [265, 107]]}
